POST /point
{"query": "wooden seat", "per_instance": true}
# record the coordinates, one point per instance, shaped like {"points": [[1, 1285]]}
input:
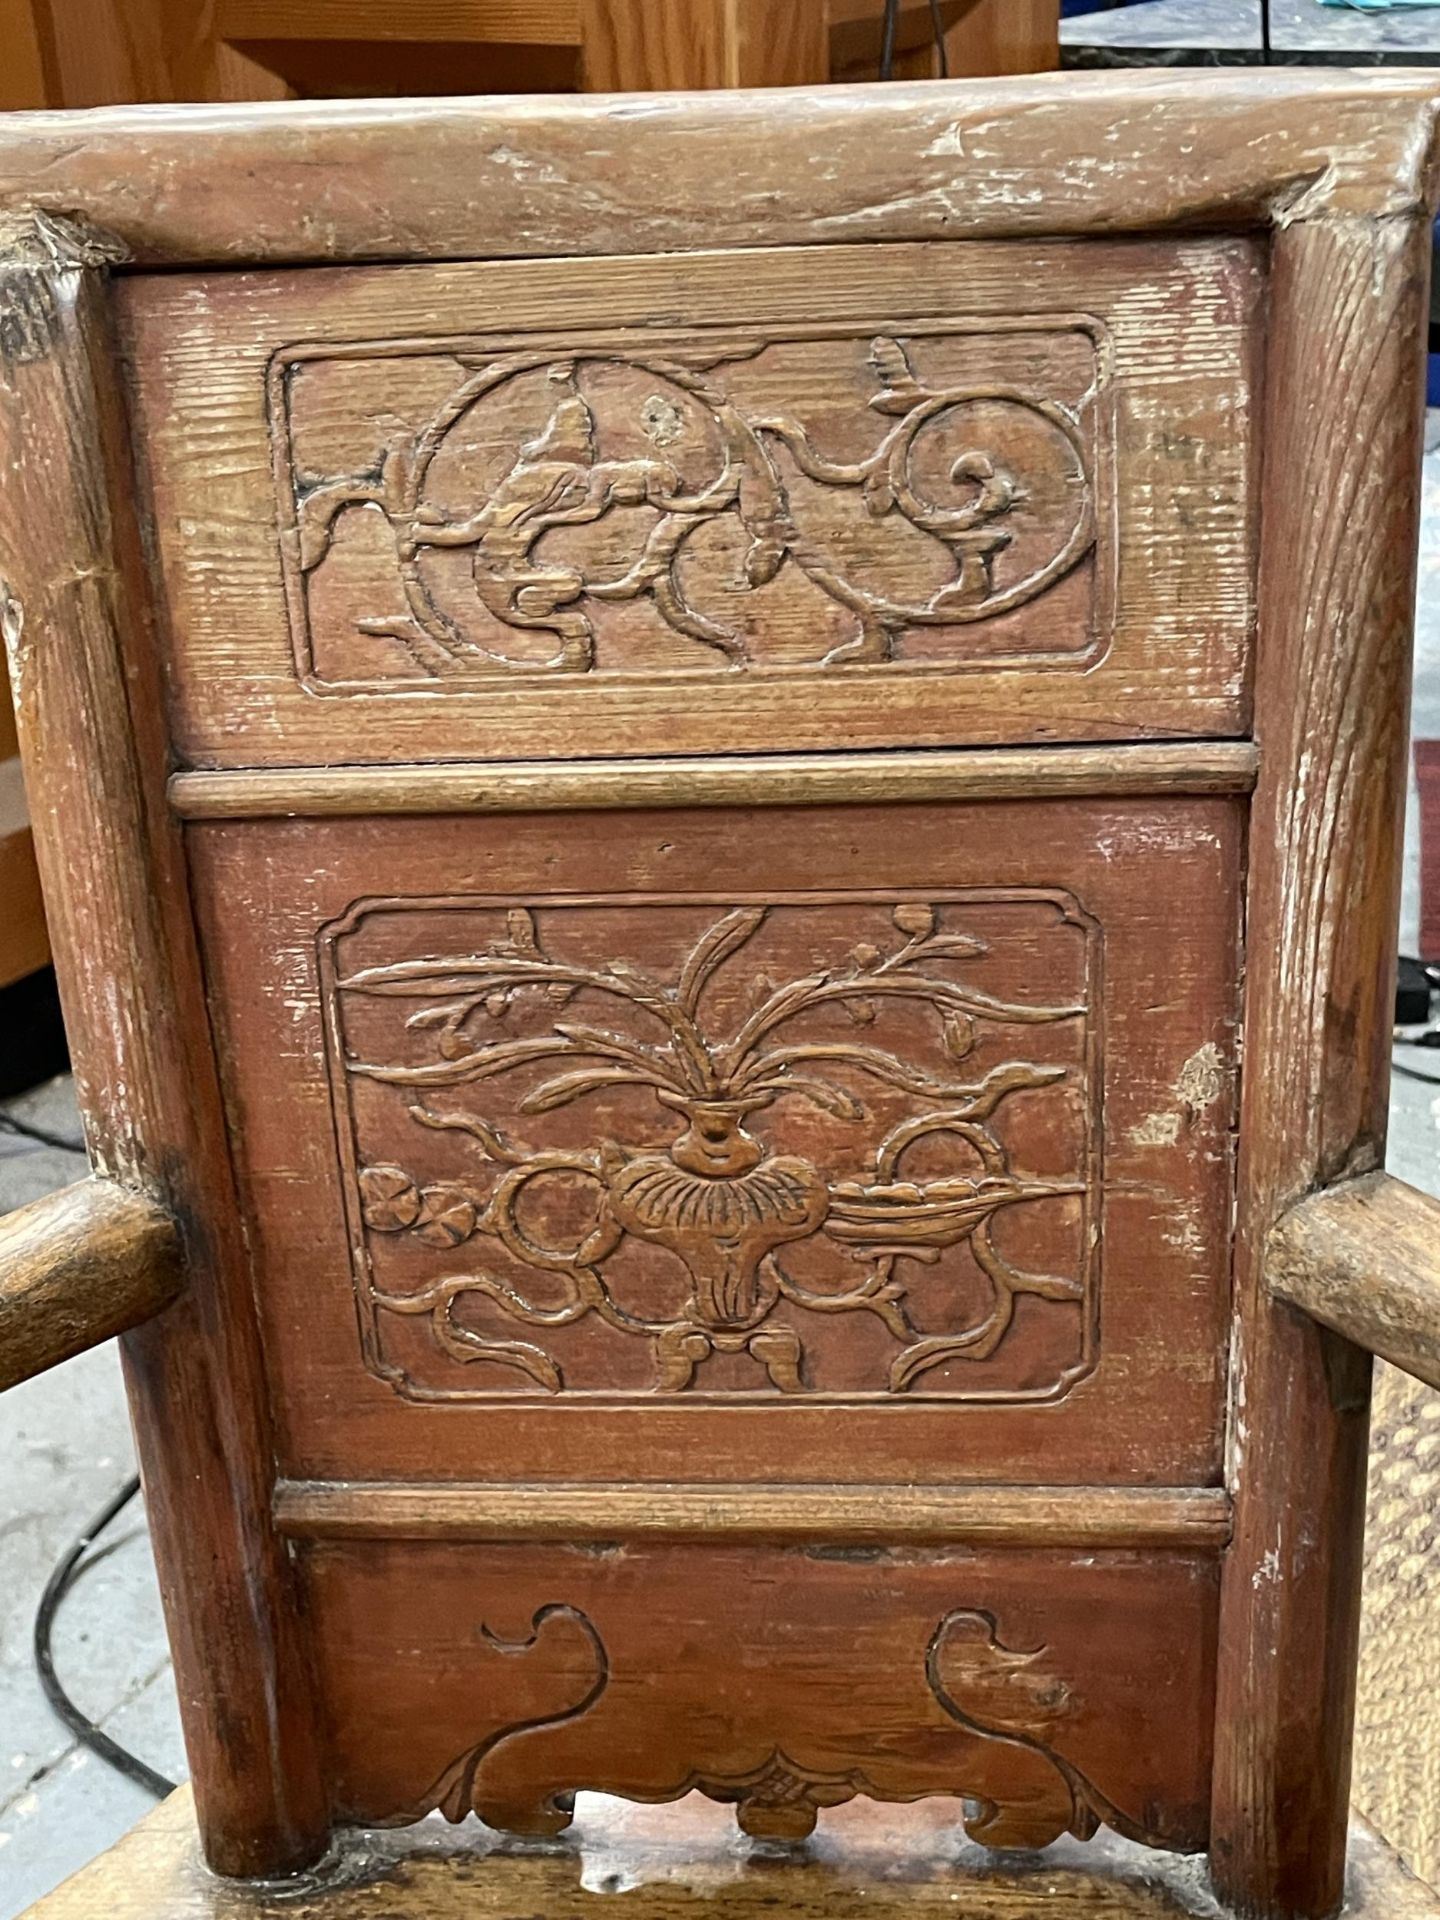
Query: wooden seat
{"points": [[723, 865], [672, 1863]]}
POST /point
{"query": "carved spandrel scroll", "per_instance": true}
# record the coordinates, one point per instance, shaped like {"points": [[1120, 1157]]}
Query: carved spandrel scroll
{"points": [[1051, 1696], [1012, 1704], [811, 1146], [452, 511]]}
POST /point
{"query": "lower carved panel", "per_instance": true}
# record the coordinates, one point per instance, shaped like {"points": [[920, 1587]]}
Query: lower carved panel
{"points": [[1050, 1693], [838, 1144]]}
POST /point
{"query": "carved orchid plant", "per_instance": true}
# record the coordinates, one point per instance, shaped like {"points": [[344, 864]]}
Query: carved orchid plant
{"points": [[713, 1196]]}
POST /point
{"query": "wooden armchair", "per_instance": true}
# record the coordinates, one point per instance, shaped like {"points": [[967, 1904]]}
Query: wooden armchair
{"points": [[662, 735]]}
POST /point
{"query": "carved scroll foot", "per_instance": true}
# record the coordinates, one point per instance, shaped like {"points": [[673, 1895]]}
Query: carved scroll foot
{"points": [[771, 1820], [530, 1818], [1019, 1827]]}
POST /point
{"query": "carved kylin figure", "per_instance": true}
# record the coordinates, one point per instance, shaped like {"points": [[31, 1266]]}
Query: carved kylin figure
{"points": [[559, 480], [714, 1196]]}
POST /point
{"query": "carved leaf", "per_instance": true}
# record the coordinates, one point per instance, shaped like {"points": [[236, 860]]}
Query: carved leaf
{"points": [[899, 389], [824, 1093], [570, 1086], [769, 1069], [440, 1016], [954, 946], [713, 949]]}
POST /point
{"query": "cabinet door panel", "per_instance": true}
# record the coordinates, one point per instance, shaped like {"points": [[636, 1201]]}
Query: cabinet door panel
{"points": [[1051, 1692], [844, 1143], [798, 498]]}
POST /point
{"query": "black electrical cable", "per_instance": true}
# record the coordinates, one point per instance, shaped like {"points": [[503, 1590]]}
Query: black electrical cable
{"points": [[887, 38], [42, 1136], [1413, 1073], [942, 56], [69, 1568]]}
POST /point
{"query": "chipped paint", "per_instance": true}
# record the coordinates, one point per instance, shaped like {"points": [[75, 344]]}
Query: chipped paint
{"points": [[1202, 1079], [1200, 1082], [1156, 1130]]}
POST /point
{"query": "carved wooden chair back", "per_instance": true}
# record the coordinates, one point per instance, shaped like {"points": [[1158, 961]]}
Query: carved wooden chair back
{"points": [[662, 736]]}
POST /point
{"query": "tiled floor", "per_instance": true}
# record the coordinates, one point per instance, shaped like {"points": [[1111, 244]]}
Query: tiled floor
{"points": [[65, 1442]]}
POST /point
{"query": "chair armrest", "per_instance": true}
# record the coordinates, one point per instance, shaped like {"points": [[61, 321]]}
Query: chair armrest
{"points": [[1364, 1258], [77, 1267]]}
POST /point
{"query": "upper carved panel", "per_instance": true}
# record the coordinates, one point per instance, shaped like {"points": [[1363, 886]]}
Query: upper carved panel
{"points": [[805, 1146], [452, 512]]}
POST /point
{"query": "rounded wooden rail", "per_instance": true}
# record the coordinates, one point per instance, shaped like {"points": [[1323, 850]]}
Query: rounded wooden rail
{"points": [[78, 1266], [1363, 1258]]}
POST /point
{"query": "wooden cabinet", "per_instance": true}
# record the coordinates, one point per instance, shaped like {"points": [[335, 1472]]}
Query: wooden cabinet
{"points": [[76, 53], [756, 845]]}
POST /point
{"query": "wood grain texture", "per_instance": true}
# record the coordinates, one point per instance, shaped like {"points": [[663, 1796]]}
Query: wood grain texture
{"points": [[1086, 153], [77, 1268], [1151, 1411], [1055, 1691], [756, 780], [530, 22], [1363, 1258], [23, 81], [153, 50], [321, 618], [137, 1027], [685, 1863], [979, 1516], [857, 30], [630, 46], [1337, 572], [1005, 36]]}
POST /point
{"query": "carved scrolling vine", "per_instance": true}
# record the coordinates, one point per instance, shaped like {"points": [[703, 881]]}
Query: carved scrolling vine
{"points": [[1014, 1706], [726, 1207], [961, 464]]}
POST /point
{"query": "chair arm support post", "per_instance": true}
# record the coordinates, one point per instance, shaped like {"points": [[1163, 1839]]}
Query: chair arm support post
{"points": [[1363, 1258], [78, 1266]]}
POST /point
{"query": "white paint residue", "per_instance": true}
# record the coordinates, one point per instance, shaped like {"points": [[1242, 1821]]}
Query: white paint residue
{"points": [[950, 141], [1202, 1078]]}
